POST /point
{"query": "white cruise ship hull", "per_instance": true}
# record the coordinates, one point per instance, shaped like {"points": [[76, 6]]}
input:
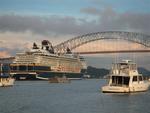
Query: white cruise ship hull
{"points": [[42, 75]]}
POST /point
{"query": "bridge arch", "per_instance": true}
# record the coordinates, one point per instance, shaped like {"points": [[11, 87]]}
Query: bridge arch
{"points": [[117, 35]]}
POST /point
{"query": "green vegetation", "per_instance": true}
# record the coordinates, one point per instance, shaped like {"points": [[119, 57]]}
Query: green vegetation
{"points": [[101, 72], [96, 72]]}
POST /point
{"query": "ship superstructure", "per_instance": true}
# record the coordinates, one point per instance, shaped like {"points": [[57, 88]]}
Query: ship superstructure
{"points": [[42, 62]]}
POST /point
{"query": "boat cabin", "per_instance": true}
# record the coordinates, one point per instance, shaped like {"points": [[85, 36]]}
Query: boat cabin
{"points": [[119, 80], [126, 67], [123, 73], [116, 80], [124, 77]]}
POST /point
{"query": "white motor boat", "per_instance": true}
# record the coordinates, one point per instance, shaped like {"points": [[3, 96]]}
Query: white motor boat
{"points": [[6, 81], [124, 78], [5, 78]]}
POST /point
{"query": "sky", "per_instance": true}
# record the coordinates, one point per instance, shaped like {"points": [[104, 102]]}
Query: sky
{"points": [[23, 22]]}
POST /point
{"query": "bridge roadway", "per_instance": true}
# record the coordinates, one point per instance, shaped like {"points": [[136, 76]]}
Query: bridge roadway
{"points": [[115, 51]]}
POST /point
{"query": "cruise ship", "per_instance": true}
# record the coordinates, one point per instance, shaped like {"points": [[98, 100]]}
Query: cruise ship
{"points": [[43, 63]]}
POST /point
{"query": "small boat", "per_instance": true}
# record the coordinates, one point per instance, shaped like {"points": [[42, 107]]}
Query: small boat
{"points": [[5, 78], [56, 79], [124, 78], [6, 81]]}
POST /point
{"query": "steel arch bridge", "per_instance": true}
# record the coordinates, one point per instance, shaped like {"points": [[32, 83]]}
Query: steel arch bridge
{"points": [[117, 35]]}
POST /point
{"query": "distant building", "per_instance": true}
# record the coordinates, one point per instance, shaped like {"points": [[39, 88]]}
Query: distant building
{"points": [[7, 60]]}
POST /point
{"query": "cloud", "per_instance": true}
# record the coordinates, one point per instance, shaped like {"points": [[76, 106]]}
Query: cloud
{"points": [[42, 25], [14, 42], [126, 21], [106, 19], [102, 45], [18, 32], [4, 54], [109, 19], [90, 10]]}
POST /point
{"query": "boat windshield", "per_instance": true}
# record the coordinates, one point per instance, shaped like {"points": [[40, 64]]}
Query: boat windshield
{"points": [[137, 78], [120, 81]]}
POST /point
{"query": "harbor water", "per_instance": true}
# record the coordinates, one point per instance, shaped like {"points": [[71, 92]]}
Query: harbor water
{"points": [[79, 96]]}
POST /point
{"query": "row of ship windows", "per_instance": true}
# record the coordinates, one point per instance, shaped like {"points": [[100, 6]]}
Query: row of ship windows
{"points": [[54, 64], [31, 68], [42, 68], [59, 59], [43, 57], [43, 60], [39, 68]]}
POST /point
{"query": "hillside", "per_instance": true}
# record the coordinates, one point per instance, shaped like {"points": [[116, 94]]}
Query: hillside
{"points": [[101, 72], [144, 71], [96, 72]]}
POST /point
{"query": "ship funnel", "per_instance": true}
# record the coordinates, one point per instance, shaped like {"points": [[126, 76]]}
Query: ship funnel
{"points": [[35, 46], [47, 46], [46, 43], [68, 50]]}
